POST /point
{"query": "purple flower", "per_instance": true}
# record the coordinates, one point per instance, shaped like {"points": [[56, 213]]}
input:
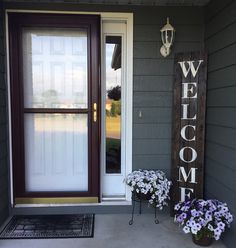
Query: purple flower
{"points": [[197, 214], [221, 225], [217, 231], [194, 213]]}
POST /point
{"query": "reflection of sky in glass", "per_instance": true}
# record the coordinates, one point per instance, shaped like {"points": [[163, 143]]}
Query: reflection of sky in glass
{"points": [[113, 77]]}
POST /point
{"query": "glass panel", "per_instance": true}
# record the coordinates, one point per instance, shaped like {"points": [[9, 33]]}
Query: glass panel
{"points": [[113, 104], [55, 68], [56, 152]]}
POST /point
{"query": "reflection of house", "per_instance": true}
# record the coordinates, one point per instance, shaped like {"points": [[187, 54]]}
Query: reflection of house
{"points": [[148, 90], [116, 57]]}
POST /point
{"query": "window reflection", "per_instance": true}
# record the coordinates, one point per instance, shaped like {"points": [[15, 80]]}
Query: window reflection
{"points": [[55, 68], [113, 104]]}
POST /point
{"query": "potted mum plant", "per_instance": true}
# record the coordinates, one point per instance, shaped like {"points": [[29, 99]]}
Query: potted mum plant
{"points": [[150, 185], [204, 219]]}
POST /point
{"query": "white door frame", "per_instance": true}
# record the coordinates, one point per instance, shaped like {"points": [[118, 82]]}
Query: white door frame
{"points": [[128, 95]]}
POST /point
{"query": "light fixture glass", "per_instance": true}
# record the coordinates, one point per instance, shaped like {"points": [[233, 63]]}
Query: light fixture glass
{"points": [[167, 37]]}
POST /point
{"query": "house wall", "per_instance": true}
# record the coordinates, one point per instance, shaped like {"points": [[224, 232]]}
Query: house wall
{"points": [[220, 179], [4, 202], [152, 74]]}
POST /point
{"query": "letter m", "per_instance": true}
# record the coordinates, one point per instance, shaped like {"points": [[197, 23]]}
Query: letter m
{"points": [[185, 176], [190, 67]]}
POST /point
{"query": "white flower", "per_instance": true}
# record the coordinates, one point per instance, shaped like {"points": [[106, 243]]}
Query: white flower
{"points": [[194, 230], [210, 227], [186, 229], [153, 182]]}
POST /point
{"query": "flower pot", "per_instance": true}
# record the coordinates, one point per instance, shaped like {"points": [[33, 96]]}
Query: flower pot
{"points": [[203, 241]]}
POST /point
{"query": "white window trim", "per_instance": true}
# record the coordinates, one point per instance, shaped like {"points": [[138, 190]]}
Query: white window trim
{"points": [[128, 101]]}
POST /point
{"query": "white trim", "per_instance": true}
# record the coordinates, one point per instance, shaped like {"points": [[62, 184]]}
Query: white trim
{"points": [[9, 108], [114, 16]]}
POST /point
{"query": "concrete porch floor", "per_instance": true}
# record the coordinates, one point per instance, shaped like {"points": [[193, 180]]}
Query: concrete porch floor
{"points": [[113, 231]]}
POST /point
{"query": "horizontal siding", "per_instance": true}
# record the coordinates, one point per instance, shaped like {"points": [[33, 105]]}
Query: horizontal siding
{"points": [[152, 99], [152, 67], [223, 58], [222, 39], [159, 162], [220, 163], [151, 49], [152, 131], [153, 80], [223, 175], [223, 97], [221, 116], [215, 7], [222, 78], [225, 136], [152, 33], [152, 115], [177, 15], [222, 154], [151, 146], [224, 18], [153, 83]]}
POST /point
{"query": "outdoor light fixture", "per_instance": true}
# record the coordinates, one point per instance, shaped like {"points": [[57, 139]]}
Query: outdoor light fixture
{"points": [[167, 37]]}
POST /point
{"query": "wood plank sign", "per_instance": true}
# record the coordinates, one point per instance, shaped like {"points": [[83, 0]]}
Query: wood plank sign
{"points": [[188, 134]]}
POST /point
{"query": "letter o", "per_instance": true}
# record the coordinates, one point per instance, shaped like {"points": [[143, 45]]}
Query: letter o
{"points": [[194, 154]]}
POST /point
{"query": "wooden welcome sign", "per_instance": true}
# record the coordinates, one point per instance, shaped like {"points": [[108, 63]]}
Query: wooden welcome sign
{"points": [[188, 135]]}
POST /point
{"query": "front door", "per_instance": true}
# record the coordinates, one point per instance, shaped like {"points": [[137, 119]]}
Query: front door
{"points": [[54, 73]]}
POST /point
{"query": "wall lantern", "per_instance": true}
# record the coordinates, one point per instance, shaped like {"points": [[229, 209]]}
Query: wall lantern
{"points": [[167, 37]]}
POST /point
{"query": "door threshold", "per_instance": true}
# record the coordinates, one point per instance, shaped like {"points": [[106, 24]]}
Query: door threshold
{"points": [[103, 203]]}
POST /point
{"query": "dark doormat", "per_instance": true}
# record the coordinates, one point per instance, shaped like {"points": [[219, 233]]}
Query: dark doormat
{"points": [[49, 226]]}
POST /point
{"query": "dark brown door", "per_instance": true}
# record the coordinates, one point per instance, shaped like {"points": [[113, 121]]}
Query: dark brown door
{"points": [[54, 70]]}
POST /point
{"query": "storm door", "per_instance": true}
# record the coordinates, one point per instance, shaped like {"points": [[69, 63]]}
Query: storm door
{"points": [[54, 69]]}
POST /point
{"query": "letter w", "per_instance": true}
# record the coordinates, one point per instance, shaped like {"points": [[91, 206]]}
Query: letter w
{"points": [[190, 67]]}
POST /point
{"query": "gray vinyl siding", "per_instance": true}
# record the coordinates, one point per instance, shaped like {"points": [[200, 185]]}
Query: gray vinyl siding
{"points": [[220, 163], [153, 79], [4, 201]]}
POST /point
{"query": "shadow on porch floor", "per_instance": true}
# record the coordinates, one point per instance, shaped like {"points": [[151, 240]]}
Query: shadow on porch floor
{"points": [[113, 231]]}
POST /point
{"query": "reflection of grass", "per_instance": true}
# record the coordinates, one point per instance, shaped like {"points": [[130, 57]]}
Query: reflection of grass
{"points": [[113, 127], [112, 144], [113, 155]]}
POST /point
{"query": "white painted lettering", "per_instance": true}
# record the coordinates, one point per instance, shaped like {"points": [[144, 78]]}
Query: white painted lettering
{"points": [[190, 87], [183, 132], [185, 113], [185, 192], [190, 67], [193, 155], [185, 176]]}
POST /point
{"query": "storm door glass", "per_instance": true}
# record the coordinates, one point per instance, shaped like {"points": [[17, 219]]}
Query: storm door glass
{"points": [[55, 90]]}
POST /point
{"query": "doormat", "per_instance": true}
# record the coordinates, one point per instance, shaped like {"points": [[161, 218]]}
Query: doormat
{"points": [[49, 226]]}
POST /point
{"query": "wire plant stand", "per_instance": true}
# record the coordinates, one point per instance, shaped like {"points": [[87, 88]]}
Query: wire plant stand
{"points": [[139, 199]]}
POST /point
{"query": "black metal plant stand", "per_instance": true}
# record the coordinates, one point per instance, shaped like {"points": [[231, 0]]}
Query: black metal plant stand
{"points": [[139, 198]]}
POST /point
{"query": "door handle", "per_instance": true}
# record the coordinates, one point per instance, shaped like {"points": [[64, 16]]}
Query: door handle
{"points": [[95, 112]]}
